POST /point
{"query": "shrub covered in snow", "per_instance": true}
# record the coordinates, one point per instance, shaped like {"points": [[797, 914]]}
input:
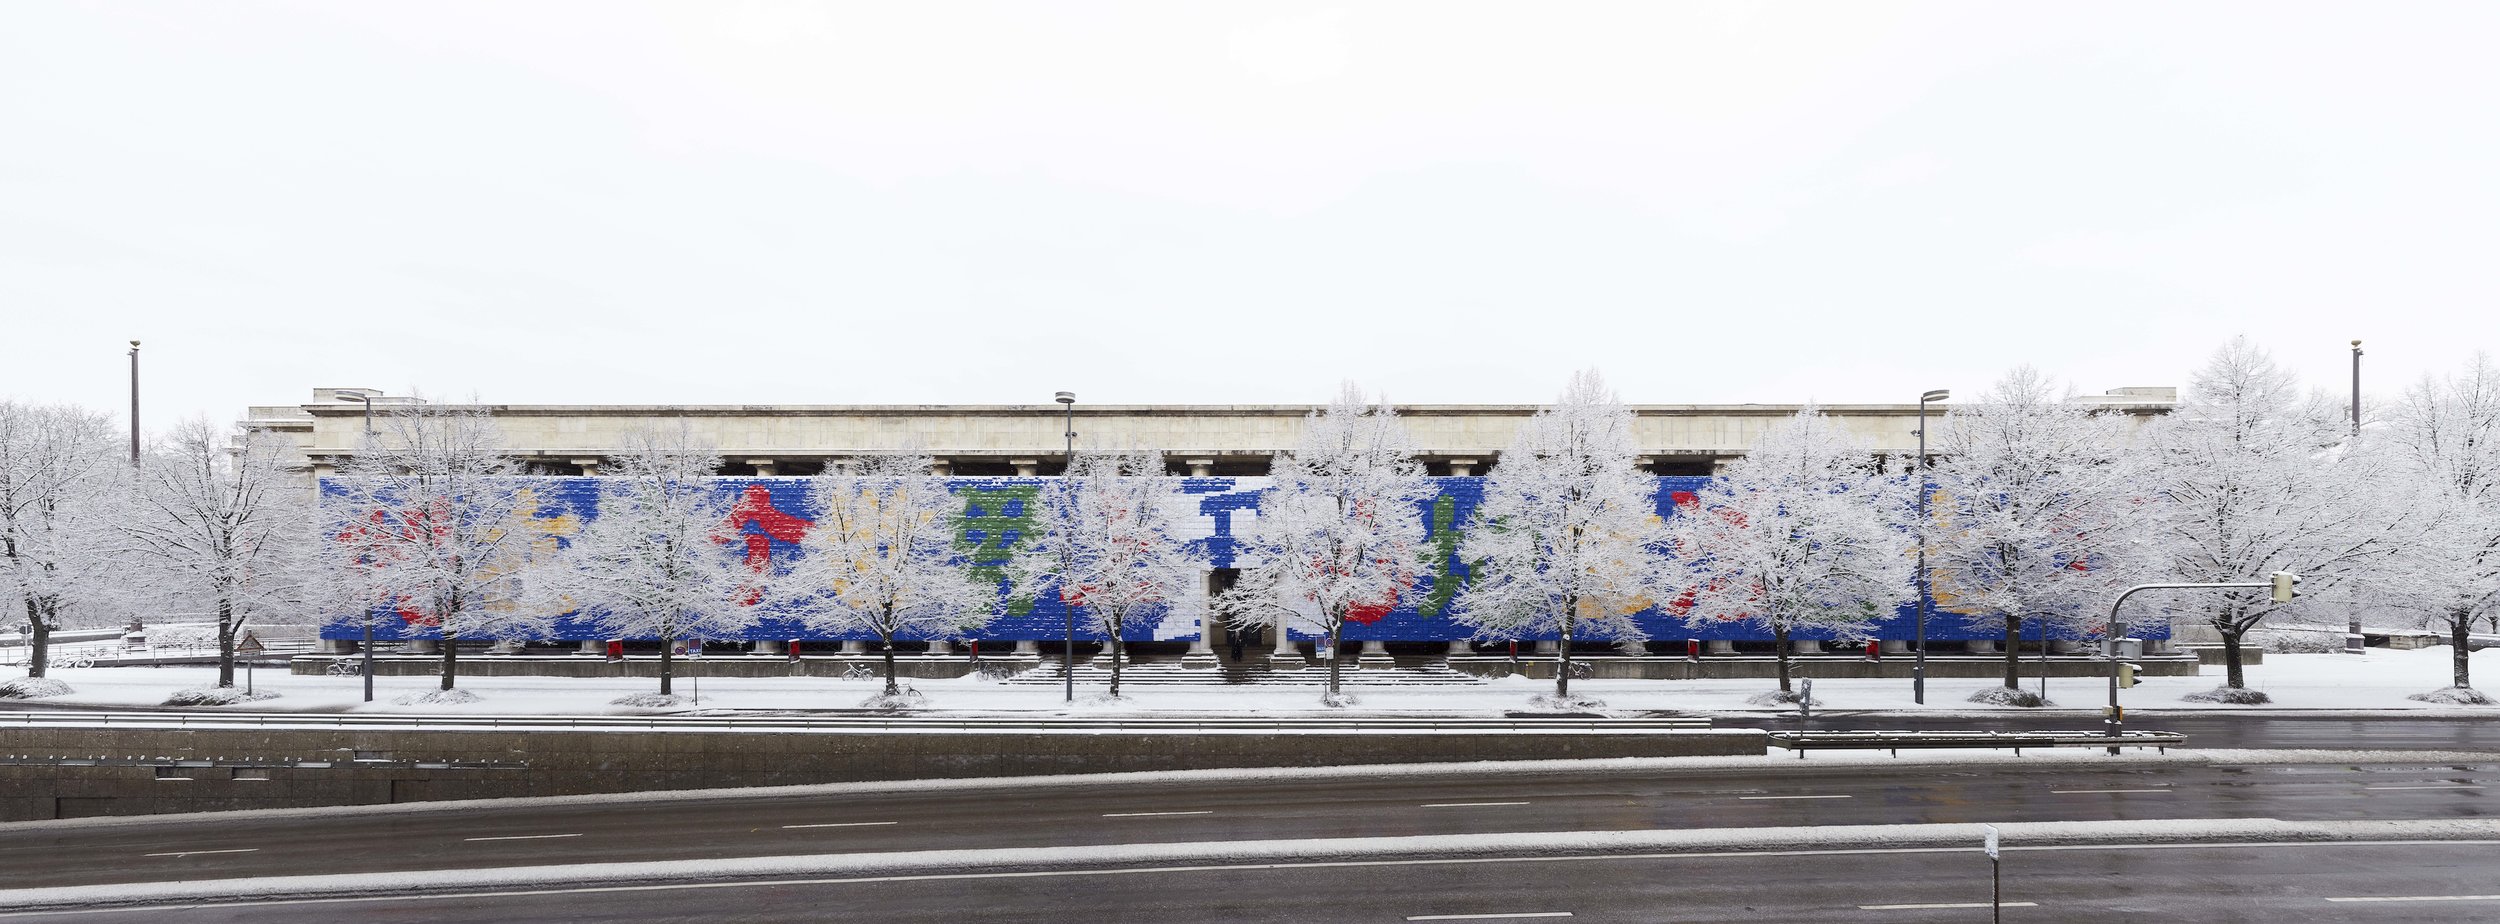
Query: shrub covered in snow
{"points": [[33, 688], [1781, 698], [216, 696], [2299, 639], [453, 697], [2453, 696], [2010, 696], [647, 700], [904, 698], [2231, 696]]}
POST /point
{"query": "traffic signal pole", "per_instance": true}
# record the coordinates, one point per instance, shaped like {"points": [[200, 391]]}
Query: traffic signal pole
{"points": [[2281, 582]]}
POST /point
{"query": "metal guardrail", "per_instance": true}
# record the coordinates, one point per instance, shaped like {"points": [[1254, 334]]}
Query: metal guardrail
{"points": [[1896, 741], [825, 723]]}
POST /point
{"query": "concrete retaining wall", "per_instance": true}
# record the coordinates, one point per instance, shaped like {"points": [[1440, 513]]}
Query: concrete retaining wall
{"points": [[149, 771]]}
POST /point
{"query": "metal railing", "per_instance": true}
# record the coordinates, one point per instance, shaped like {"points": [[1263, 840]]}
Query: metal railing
{"points": [[66, 719]]}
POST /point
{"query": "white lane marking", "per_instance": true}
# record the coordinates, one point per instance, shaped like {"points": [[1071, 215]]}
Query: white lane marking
{"points": [[2065, 792], [843, 824], [2417, 898], [1934, 905], [520, 837], [1488, 917], [194, 853], [1465, 805], [1760, 798], [177, 904], [1153, 814], [2443, 786]]}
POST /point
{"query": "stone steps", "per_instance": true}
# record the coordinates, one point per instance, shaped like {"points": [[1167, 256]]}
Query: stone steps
{"points": [[1167, 674]]}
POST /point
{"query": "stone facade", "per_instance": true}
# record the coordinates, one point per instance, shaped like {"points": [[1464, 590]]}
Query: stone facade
{"points": [[1677, 439]]}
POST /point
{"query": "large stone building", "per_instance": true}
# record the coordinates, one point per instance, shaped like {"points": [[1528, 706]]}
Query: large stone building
{"points": [[1228, 439]]}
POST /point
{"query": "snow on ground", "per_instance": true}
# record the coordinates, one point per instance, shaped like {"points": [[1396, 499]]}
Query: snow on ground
{"points": [[2378, 681]]}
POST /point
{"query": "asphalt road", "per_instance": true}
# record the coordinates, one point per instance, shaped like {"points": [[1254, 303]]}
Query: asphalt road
{"points": [[2206, 730], [1792, 793], [2406, 882]]}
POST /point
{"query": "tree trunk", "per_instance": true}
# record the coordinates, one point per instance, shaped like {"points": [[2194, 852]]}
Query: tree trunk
{"points": [[1562, 666], [893, 687], [2013, 652], [2231, 672], [225, 642], [38, 643], [451, 659], [2460, 622], [668, 664], [1119, 652], [1336, 637], [1779, 648]]}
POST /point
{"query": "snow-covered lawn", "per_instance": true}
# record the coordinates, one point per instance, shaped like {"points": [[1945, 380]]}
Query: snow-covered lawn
{"points": [[2380, 680]]}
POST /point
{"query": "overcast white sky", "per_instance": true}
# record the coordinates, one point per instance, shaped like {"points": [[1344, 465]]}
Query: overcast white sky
{"points": [[767, 202]]}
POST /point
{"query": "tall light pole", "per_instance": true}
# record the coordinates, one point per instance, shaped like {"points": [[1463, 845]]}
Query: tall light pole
{"points": [[2353, 642], [367, 401], [1918, 664], [134, 403], [1067, 472]]}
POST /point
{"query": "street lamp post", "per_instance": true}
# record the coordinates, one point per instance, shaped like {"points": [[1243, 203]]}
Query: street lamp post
{"points": [[1067, 471], [1918, 663], [2353, 642], [134, 403], [367, 650]]}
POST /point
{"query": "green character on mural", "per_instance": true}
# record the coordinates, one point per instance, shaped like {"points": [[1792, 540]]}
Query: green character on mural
{"points": [[996, 519], [1445, 536]]}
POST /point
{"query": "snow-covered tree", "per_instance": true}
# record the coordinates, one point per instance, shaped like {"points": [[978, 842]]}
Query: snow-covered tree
{"points": [[2253, 478], [1797, 536], [2035, 515], [2446, 436], [1339, 537], [217, 517], [1567, 541], [660, 560], [432, 523], [59, 480], [881, 559], [1105, 544]]}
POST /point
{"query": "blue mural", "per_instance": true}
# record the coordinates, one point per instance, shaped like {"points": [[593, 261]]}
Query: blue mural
{"points": [[772, 514]]}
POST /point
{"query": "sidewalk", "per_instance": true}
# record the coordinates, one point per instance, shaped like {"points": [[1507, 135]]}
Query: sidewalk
{"points": [[2379, 680]]}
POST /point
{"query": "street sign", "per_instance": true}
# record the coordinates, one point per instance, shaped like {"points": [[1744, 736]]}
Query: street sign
{"points": [[250, 646], [1990, 845]]}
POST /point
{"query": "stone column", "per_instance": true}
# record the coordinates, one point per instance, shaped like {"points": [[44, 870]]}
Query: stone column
{"points": [[855, 648], [942, 468], [940, 648], [1461, 648], [1806, 646], [1375, 656], [1200, 468], [1286, 657], [767, 647], [1549, 648], [424, 646], [765, 468], [1026, 468], [1028, 650], [1894, 646], [1462, 467], [1718, 647], [592, 646], [1981, 646], [589, 467]]}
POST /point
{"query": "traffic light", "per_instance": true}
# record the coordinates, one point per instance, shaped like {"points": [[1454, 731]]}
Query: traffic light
{"points": [[2284, 584], [2126, 674]]}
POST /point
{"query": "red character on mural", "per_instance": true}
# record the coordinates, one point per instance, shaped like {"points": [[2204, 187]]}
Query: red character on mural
{"points": [[755, 508]]}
